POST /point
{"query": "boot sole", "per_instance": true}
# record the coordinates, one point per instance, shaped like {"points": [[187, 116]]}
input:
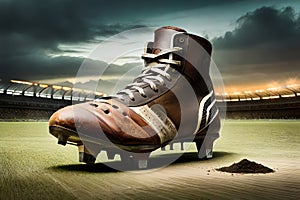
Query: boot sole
{"points": [[131, 153], [66, 135]]}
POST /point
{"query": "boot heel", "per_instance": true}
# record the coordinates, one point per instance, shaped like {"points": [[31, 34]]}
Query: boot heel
{"points": [[205, 139], [205, 147]]}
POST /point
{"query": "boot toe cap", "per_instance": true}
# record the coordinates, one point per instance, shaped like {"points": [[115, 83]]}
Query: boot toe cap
{"points": [[104, 122], [63, 118]]}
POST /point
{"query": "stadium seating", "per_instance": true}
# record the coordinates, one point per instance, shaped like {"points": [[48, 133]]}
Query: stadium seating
{"points": [[23, 100]]}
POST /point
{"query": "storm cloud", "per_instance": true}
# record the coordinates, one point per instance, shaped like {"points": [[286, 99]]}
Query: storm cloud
{"points": [[264, 47], [31, 30]]}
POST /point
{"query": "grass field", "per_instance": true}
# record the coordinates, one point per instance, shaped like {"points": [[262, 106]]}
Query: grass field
{"points": [[33, 166]]}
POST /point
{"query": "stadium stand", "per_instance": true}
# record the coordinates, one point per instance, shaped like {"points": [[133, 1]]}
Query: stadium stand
{"points": [[272, 103], [23, 100]]}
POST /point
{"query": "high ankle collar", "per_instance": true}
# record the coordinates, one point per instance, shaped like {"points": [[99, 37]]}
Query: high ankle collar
{"points": [[163, 38]]}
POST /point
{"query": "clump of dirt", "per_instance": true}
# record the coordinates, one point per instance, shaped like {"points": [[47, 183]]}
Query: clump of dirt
{"points": [[245, 166]]}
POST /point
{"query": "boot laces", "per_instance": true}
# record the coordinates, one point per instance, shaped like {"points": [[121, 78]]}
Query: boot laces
{"points": [[152, 74]]}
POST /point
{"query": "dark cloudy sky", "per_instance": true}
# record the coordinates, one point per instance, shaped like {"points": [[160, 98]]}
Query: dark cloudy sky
{"points": [[256, 43]]}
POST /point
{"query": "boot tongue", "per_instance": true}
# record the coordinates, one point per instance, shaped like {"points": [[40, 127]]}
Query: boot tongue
{"points": [[163, 38]]}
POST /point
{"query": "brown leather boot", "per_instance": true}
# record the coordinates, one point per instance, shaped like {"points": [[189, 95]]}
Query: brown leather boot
{"points": [[171, 101]]}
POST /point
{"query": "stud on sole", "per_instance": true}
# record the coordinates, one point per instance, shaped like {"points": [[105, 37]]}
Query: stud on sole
{"points": [[135, 160], [62, 139], [85, 156]]}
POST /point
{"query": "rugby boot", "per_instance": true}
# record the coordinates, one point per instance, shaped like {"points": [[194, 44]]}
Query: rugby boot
{"points": [[171, 101]]}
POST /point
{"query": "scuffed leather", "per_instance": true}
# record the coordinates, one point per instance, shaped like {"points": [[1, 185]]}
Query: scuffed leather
{"points": [[112, 119]]}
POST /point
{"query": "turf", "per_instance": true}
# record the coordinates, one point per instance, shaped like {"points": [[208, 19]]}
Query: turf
{"points": [[33, 166]]}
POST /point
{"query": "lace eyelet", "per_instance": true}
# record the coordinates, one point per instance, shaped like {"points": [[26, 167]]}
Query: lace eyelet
{"points": [[154, 89], [93, 104], [132, 99], [106, 111], [115, 106]]}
